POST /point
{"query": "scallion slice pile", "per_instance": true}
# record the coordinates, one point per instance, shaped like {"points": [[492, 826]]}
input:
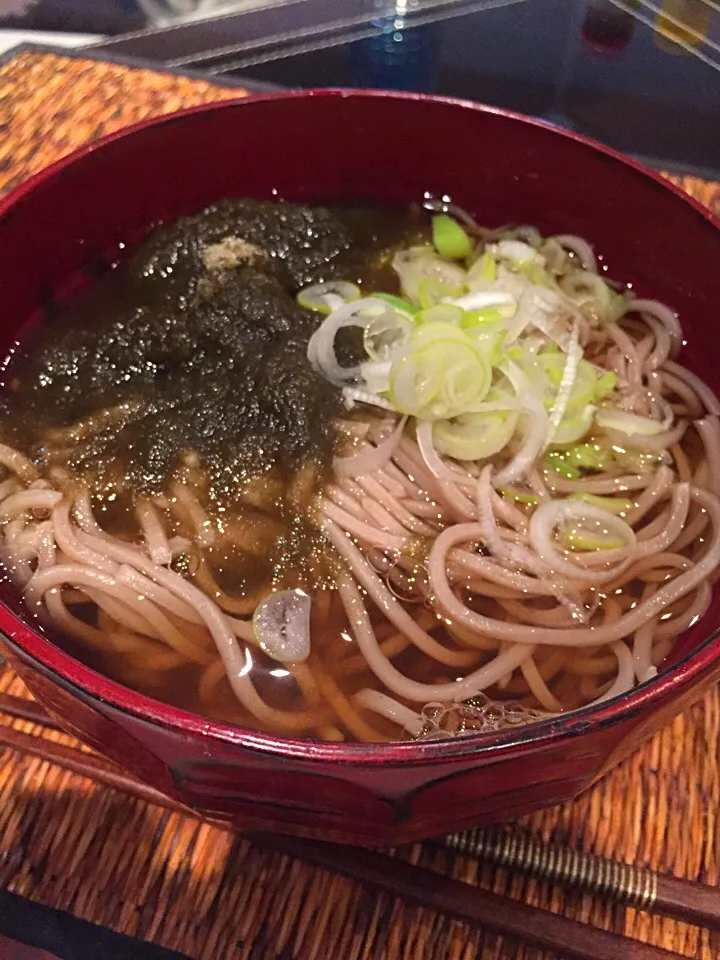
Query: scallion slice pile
{"points": [[487, 343]]}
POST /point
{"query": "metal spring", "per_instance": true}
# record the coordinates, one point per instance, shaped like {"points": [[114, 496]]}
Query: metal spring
{"points": [[624, 883]]}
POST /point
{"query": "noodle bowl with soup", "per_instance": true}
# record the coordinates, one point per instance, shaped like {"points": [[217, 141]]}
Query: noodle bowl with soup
{"points": [[362, 473], [359, 495]]}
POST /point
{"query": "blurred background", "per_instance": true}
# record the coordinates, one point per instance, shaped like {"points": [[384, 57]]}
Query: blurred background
{"points": [[641, 75]]}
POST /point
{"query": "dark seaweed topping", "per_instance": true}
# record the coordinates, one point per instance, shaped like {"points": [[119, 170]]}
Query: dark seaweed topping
{"points": [[208, 351]]}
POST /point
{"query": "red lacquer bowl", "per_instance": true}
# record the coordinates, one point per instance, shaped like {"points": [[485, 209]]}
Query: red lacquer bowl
{"points": [[324, 145]]}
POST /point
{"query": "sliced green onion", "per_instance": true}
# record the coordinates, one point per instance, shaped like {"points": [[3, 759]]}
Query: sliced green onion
{"points": [[321, 346], [593, 296], [578, 539], [639, 461], [450, 239], [617, 305], [553, 365], [429, 333], [590, 456], [480, 299], [431, 291], [484, 269], [584, 383], [629, 423], [326, 297], [419, 264], [466, 382], [414, 384], [376, 376], [512, 494], [385, 333], [404, 306], [491, 341], [443, 374], [538, 276], [605, 385], [442, 313], [503, 311], [559, 465], [574, 426], [573, 360], [516, 251], [474, 436], [617, 505]]}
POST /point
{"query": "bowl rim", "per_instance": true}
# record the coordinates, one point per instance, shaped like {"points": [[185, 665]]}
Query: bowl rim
{"points": [[70, 673]]}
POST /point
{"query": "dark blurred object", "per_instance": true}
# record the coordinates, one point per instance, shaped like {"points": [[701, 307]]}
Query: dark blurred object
{"points": [[399, 57], [607, 28], [73, 16]]}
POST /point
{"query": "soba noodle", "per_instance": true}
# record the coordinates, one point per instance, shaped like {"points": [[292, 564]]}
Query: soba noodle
{"points": [[551, 569]]}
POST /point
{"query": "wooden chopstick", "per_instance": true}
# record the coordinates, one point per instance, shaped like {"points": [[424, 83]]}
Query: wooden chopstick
{"points": [[491, 911], [24, 709], [687, 900], [623, 883]]}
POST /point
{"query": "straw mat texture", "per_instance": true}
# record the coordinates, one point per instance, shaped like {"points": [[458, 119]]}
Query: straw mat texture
{"points": [[69, 843], [50, 105]]}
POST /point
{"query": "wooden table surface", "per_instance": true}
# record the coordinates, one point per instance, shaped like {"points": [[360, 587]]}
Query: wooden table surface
{"points": [[70, 843]]}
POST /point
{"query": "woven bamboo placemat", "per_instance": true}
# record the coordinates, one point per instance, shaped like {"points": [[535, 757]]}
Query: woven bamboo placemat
{"points": [[70, 843]]}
